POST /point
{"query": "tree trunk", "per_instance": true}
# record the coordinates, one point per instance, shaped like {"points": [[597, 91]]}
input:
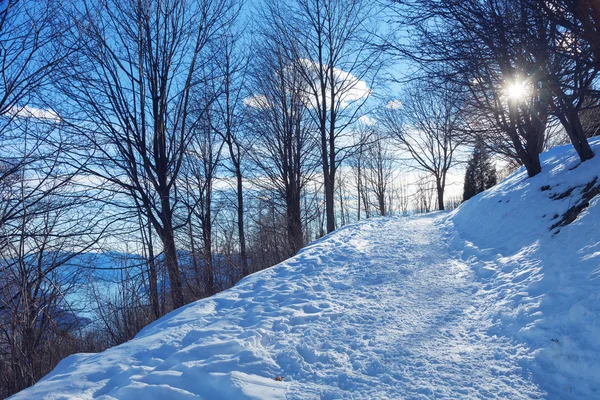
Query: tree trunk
{"points": [[194, 255], [208, 258], [208, 265], [530, 160], [152, 275], [358, 190], [240, 221], [170, 253], [167, 236], [532, 164], [381, 198], [329, 203], [294, 226], [530, 153], [440, 193], [572, 124]]}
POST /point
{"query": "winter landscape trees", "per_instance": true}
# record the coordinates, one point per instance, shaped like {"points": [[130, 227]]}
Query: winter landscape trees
{"points": [[480, 174], [156, 152]]}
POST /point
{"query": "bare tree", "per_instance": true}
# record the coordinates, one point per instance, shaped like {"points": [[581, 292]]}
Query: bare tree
{"points": [[423, 197], [358, 163], [428, 127], [563, 57], [330, 41], [268, 241], [130, 90], [202, 162], [523, 62], [46, 224], [479, 45], [283, 144], [399, 197], [581, 18], [228, 112], [30, 52], [380, 172]]}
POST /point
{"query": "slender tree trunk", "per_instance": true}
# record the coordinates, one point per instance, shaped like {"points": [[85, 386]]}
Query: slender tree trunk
{"points": [[358, 189], [381, 198], [328, 182], [569, 118], [210, 278], [240, 221], [167, 237], [152, 274], [170, 253], [342, 216], [329, 203], [207, 236], [440, 193], [195, 263], [294, 225]]}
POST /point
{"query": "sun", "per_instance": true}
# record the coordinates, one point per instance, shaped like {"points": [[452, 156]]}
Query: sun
{"points": [[516, 90]]}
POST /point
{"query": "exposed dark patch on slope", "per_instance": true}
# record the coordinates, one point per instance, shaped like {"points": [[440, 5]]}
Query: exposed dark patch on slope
{"points": [[588, 192]]}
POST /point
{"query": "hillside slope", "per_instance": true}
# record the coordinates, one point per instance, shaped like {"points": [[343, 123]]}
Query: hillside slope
{"points": [[484, 302], [543, 276]]}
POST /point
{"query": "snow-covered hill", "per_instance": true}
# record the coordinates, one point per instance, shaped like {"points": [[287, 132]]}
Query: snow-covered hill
{"points": [[542, 274], [484, 302]]}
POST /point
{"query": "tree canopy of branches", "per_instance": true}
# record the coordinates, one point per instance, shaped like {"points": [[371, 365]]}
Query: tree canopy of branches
{"points": [[330, 42], [429, 127], [516, 63], [283, 149], [130, 98], [186, 151], [229, 113]]}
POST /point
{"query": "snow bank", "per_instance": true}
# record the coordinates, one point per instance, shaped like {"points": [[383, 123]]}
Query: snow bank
{"points": [[375, 311], [544, 282], [486, 302]]}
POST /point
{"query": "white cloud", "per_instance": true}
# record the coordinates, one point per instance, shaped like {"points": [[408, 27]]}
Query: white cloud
{"points": [[350, 89], [32, 112], [365, 119], [354, 89], [394, 104], [257, 101]]}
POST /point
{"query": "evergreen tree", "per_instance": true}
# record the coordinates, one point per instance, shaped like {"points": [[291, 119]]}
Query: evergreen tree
{"points": [[480, 174]]}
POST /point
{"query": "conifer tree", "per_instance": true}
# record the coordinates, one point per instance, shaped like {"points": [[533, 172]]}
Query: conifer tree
{"points": [[480, 174]]}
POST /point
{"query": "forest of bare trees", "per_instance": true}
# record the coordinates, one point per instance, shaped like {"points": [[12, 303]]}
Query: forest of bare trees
{"points": [[156, 152]]}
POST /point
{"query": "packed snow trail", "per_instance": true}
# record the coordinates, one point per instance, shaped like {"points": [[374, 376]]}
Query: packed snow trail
{"points": [[383, 309]]}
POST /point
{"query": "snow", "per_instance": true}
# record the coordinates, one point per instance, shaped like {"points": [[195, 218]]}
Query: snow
{"points": [[544, 283], [484, 302]]}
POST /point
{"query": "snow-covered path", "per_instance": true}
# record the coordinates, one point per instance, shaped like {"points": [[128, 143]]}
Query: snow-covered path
{"points": [[412, 324], [384, 309]]}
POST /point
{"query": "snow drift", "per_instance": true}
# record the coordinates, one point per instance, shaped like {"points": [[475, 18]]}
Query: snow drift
{"points": [[498, 299]]}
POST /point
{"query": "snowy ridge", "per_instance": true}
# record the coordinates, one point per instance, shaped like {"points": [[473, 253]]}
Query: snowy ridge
{"points": [[484, 302]]}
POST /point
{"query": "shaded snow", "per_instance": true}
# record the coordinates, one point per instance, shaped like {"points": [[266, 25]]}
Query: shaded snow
{"points": [[545, 284], [484, 303]]}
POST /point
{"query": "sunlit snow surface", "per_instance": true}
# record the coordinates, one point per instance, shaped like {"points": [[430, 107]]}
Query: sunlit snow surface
{"points": [[484, 303]]}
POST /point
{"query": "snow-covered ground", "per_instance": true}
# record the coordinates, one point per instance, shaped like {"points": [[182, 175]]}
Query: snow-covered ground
{"points": [[544, 283], [484, 302]]}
